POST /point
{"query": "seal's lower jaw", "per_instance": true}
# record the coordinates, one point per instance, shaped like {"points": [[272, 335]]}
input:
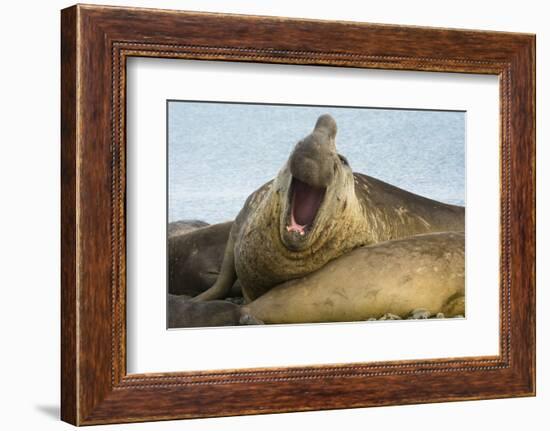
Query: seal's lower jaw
{"points": [[303, 206]]}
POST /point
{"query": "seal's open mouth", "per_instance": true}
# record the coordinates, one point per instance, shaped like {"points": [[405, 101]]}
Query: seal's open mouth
{"points": [[305, 201]]}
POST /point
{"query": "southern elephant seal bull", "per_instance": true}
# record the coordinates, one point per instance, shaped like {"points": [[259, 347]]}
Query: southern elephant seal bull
{"points": [[315, 210], [391, 278]]}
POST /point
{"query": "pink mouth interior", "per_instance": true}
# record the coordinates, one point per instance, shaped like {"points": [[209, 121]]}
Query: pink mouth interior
{"points": [[305, 203]]}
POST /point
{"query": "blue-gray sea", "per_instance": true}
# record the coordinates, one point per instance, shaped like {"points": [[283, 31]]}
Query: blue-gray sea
{"points": [[219, 153]]}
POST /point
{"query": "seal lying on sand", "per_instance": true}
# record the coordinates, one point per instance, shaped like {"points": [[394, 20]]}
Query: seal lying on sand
{"points": [[394, 277], [316, 210]]}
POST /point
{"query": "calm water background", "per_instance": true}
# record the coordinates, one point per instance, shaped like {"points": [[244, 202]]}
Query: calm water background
{"points": [[220, 153]]}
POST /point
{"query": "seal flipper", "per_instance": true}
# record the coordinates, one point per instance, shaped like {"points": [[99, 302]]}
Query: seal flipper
{"points": [[222, 287], [246, 317]]}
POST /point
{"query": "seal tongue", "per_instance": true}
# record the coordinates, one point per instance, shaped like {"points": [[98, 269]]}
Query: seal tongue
{"points": [[306, 201]]}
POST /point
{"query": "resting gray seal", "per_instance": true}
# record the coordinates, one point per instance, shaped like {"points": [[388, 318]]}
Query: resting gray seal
{"points": [[184, 226], [195, 258], [315, 210], [185, 314], [394, 277]]}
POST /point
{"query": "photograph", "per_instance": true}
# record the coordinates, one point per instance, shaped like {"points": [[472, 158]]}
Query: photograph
{"points": [[329, 211], [301, 214]]}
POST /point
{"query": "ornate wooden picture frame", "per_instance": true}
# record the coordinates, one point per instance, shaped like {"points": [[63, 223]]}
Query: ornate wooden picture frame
{"points": [[96, 41]]}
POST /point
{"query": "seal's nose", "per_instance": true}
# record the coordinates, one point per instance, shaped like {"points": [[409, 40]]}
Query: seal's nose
{"points": [[326, 124], [312, 160]]}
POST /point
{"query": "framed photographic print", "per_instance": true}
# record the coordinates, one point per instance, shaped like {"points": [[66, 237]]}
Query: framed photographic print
{"points": [[324, 214]]}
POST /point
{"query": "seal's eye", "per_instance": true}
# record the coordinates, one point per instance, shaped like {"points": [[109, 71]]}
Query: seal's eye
{"points": [[343, 160]]}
